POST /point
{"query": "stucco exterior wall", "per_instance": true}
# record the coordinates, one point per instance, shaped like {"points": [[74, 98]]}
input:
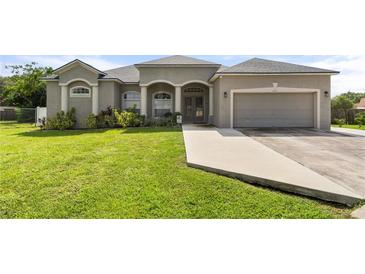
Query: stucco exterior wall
{"points": [[108, 94], [82, 105], [53, 99], [176, 75], [78, 72], [227, 83]]}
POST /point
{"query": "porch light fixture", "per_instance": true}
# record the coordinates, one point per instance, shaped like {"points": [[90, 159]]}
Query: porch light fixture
{"points": [[326, 93], [225, 94]]}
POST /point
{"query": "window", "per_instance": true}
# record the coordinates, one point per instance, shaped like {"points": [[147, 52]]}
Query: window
{"points": [[194, 89], [80, 92], [131, 99], [162, 103]]}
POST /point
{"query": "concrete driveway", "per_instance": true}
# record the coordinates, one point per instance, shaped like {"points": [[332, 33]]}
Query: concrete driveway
{"points": [[339, 157]]}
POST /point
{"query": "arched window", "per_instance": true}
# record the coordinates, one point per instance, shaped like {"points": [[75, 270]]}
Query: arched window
{"points": [[131, 99], [161, 103], [80, 92]]}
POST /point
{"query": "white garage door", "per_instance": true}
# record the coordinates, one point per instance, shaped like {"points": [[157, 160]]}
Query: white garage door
{"points": [[273, 110]]}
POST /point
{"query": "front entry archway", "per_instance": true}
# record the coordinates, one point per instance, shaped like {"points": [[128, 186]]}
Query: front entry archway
{"points": [[195, 103]]}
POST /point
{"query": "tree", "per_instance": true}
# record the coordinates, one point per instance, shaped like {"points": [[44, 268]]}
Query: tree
{"points": [[25, 88], [2, 84], [354, 97], [360, 119], [342, 104]]}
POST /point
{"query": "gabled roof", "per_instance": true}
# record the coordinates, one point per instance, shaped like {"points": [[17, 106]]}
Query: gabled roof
{"points": [[361, 104], [177, 60], [263, 66], [77, 61], [128, 74]]}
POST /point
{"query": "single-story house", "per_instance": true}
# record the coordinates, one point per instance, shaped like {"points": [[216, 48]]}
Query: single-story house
{"points": [[254, 93], [360, 105]]}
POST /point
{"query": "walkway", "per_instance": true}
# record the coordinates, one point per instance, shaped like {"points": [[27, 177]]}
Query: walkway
{"points": [[350, 131]]}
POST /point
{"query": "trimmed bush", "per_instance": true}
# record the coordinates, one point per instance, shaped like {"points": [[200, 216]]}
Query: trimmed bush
{"points": [[62, 120], [339, 122], [92, 121]]}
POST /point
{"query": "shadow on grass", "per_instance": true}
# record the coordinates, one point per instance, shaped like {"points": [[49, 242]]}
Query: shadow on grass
{"points": [[75, 132], [59, 133], [149, 130]]}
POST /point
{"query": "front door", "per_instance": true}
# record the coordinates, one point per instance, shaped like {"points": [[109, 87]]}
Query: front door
{"points": [[194, 109]]}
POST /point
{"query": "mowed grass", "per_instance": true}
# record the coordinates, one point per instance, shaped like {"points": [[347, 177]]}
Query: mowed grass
{"points": [[132, 173], [351, 126]]}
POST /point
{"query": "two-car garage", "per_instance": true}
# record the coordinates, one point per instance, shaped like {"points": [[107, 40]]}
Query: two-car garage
{"points": [[274, 109]]}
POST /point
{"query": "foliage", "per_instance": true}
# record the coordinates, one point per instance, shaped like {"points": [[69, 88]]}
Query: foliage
{"points": [[127, 173], [2, 86], [360, 119], [128, 119], [91, 121], [354, 97], [62, 120], [106, 118], [339, 122], [25, 88], [340, 106]]}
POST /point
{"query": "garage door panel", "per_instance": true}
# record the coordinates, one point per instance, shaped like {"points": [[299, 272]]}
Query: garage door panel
{"points": [[274, 110]]}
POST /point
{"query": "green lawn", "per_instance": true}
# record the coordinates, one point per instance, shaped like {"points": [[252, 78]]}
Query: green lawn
{"points": [[350, 126], [133, 173]]}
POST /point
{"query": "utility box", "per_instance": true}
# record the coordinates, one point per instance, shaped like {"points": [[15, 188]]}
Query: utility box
{"points": [[179, 119]]}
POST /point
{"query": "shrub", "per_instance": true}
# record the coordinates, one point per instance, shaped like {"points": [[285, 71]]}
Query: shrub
{"points": [[340, 122], [360, 119], [62, 120], [106, 118], [128, 119], [92, 121]]}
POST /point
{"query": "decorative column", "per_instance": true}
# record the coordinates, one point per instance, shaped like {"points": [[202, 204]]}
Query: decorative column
{"points": [[177, 99], [144, 101], [64, 98], [211, 101], [95, 102]]}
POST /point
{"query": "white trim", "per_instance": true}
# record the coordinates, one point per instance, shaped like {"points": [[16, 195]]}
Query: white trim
{"points": [[153, 101], [158, 81], [196, 81], [278, 90], [78, 79], [78, 95]]}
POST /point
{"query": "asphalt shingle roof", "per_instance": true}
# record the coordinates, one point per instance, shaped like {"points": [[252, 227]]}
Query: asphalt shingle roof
{"points": [[178, 60], [128, 74], [258, 65]]}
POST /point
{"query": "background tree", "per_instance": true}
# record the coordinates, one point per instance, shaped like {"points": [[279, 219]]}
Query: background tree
{"points": [[354, 97], [340, 106], [25, 88], [2, 85]]}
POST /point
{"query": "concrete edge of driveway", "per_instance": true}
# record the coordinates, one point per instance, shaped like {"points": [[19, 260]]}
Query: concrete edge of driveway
{"points": [[359, 213], [294, 189]]}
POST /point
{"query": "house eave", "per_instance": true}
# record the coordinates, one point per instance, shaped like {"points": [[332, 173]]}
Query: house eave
{"points": [[217, 75]]}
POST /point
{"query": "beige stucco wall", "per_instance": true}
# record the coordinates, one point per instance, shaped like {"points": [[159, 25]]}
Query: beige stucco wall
{"points": [[176, 75], [227, 83], [53, 98], [78, 72], [82, 105]]}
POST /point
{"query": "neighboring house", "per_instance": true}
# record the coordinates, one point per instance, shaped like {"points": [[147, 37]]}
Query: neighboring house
{"points": [[255, 93], [360, 105]]}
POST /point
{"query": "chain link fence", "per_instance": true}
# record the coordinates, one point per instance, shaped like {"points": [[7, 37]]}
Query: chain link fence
{"points": [[20, 115]]}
